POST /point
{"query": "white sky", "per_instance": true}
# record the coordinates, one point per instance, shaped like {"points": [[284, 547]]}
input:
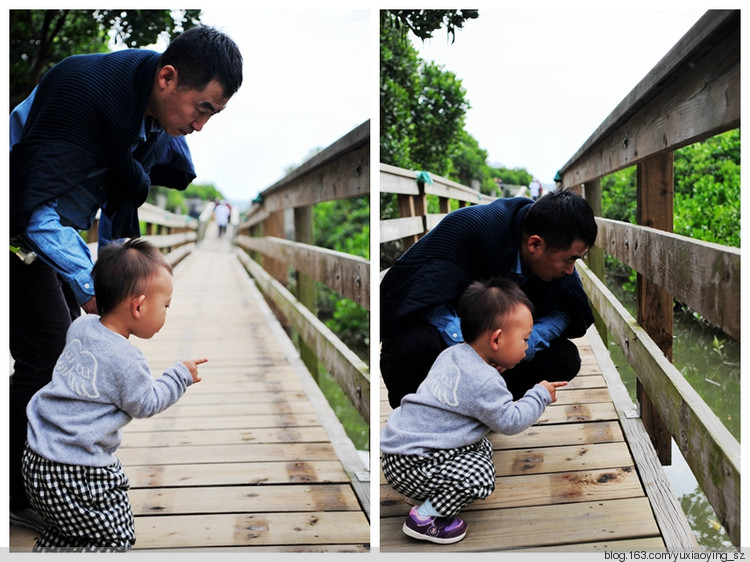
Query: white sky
{"points": [[541, 81], [305, 84]]}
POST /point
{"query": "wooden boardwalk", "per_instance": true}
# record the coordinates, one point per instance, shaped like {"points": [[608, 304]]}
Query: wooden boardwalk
{"points": [[568, 483], [251, 458]]}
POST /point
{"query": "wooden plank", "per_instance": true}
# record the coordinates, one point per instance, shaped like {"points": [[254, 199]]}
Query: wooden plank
{"points": [[235, 473], [703, 275], [558, 435], [212, 436], [396, 229], [262, 529], [527, 527], [561, 459], [246, 421], [132, 456], [247, 499]]}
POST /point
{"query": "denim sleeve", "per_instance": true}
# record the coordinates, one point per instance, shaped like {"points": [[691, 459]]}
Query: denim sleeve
{"points": [[63, 249], [446, 321], [546, 328]]}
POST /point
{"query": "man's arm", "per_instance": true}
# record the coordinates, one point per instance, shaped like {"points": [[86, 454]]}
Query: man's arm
{"points": [[546, 328], [63, 249]]}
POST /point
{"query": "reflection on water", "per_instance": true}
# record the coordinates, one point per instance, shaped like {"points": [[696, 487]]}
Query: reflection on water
{"points": [[710, 361]]}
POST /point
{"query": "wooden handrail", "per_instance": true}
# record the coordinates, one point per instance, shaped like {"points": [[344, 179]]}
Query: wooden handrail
{"points": [[340, 171], [693, 93]]}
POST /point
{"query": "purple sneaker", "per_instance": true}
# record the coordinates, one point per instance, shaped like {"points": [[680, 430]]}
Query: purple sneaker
{"points": [[441, 530]]}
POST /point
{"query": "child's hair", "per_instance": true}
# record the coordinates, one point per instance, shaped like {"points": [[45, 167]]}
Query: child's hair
{"points": [[485, 304], [123, 269]]}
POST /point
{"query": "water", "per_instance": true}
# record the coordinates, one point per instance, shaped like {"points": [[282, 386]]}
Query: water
{"points": [[710, 362]]}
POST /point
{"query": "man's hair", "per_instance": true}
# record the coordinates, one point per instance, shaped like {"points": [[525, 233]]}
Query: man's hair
{"points": [[202, 54], [561, 217], [123, 270], [484, 305]]}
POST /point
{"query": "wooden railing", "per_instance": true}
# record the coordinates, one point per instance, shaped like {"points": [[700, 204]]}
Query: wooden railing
{"points": [[276, 238], [412, 190], [175, 235], [692, 94]]}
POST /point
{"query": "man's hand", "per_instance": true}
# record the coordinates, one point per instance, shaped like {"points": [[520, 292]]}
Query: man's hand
{"points": [[90, 307]]}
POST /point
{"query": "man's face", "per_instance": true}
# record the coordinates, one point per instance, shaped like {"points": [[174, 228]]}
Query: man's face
{"points": [[549, 264], [180, 111]]}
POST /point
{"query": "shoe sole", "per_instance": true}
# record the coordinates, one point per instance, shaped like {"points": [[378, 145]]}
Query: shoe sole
{"points": [[23, 523], [422, 537]]}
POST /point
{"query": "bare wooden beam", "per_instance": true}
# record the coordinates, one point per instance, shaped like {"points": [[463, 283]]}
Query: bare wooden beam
{"points": [[702, 275]]}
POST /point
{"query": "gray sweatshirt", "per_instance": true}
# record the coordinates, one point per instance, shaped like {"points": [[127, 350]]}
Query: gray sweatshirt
{"points": [[100, 382], [460, 401]]}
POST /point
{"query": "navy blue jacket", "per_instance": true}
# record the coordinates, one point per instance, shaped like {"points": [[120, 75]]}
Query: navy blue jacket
{"points": [[87, 113], [469, 244]]}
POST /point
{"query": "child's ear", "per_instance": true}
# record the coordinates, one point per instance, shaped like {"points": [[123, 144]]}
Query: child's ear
{"points": [[495, 338], [135, 305]]}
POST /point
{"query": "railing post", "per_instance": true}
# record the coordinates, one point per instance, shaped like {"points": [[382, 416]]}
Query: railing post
{"points": [[306, 293], [655, 209], [413, 206], [592, 191]]}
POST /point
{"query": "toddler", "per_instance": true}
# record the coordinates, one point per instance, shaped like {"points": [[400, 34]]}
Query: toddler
{"points": [[100, 382], [433, 445]]}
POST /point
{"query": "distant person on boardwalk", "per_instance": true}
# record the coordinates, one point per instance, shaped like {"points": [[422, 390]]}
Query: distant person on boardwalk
{"points": [[433, 446], [88, 139], [534, 244], [222, 212], [535, 189], [73, 478]]}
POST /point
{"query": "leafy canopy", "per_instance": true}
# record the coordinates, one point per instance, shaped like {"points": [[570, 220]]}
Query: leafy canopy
{"points": [[41, 38]]}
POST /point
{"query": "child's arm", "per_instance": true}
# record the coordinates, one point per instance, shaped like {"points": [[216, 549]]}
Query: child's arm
{"points": [[552, 388], [192, 365]]}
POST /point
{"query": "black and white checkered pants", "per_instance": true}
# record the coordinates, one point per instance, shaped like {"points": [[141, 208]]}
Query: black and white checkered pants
{"points": [[86, 508], [451, 479]]}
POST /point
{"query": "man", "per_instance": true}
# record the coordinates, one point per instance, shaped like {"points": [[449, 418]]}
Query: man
{"points": [[94, 134], [535, 244]]}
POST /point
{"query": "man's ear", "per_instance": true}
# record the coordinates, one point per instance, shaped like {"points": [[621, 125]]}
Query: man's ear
{"points": [[135, 305], [535, 243], [167, 76]]}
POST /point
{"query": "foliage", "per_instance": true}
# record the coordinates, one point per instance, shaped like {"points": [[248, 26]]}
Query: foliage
{"points": [[423, 23], [707, 189], [422, 106], [180, 201], [41, 38], [343, 225]]}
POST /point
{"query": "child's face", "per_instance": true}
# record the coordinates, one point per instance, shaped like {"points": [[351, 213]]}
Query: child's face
{"points": [[511, 343], [153, 308]]}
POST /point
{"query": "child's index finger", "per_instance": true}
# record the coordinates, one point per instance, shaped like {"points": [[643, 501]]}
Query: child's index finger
{"points": [[201, 360]]}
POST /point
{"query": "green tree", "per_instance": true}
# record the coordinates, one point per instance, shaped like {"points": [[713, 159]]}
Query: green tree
{"points": [[707, 189], [344, 225], [41, 38], [422, 107]]}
